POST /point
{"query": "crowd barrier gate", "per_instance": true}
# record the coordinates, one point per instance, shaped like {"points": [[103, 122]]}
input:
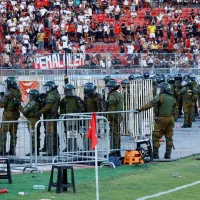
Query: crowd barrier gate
{"points": [[128, 124], [23, 142], [72, 144]]}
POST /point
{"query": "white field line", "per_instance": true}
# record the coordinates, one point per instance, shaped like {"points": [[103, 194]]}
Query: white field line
{"points": [[169, 191]]}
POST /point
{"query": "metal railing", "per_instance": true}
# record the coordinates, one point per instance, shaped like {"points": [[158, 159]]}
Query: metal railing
{"points": [[97, 63]]}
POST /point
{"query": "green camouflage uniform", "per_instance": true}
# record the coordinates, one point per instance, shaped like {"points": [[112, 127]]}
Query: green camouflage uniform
{"points": [[177, 89], [154, 89], [51, 112], [71, 104], [30, 111], [10, 102], [195, 88], [188, 98], [164, 123], [94, 103], [115, 103]]}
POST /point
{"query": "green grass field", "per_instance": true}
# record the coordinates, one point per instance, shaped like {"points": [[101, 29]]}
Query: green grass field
{"points": [[123, 183]]}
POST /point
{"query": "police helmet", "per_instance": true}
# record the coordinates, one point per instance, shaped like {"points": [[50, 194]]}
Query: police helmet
{"points": [[191, 76], [69, 90], [34, 94], [160, 79], [11, 82], [145, 75], [112, 85], [107, 78], [131, 77], [178, 77], [50, 85], [164, 87], [124, 82], [171, 80], [89, 88], [153, 80]]}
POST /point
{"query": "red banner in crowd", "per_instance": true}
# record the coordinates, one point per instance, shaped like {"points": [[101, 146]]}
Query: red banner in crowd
{"points": [[25, 86], [59, 61]]}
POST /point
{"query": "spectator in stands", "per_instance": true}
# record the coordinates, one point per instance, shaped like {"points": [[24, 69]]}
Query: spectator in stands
{"points": [[148, 15], [152, 30], [40, 39], [6, 60]]}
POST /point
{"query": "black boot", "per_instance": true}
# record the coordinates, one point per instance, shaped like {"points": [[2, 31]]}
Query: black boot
{"points": [[184, 126], [167, 155], [155, 154]]}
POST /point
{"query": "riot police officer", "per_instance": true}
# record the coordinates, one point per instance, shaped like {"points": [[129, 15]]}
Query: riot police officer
{"points": [[194, 84], [145, 75], [131, 77], [107, 78], [93, 100], [10, 101], [188, 97], [171, 82], [177, 85], [164, 123], [71, 104], [30, 111], [50, 110], [114, 103]]}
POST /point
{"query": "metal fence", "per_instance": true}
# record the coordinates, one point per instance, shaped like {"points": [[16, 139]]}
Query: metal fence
{"points": [[16, 142], [71, 141]]}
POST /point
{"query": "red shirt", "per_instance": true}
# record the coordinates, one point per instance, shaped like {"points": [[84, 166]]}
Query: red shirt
{"points": [[9, 6], [117, 29], [100, 18], [38, 4], [187, 43], [71, 28], [170, 46], [46, 3]]}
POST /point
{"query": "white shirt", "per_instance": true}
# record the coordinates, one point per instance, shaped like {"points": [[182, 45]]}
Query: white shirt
{"points": [[13, 3], [111, 8], [79, 28], [24, 49], [82, 48], [26, 38], [20, 27], [31, 8], [57, 2], [70, 3], [8, 46], [105, 28], [8, 37], [43, 11], [130, 49], [41, 26], [81, 18], [86, 28], [12, 29]]}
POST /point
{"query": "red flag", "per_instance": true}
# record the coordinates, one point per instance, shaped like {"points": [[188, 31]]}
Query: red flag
{"points": [[91, 134]]}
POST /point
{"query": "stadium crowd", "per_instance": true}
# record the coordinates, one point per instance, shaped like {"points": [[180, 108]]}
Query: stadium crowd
{"points": [[75, 26]]}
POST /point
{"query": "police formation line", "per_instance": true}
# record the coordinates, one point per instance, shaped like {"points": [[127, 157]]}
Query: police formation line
{"points": [[170, 95], [50, 105]]}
